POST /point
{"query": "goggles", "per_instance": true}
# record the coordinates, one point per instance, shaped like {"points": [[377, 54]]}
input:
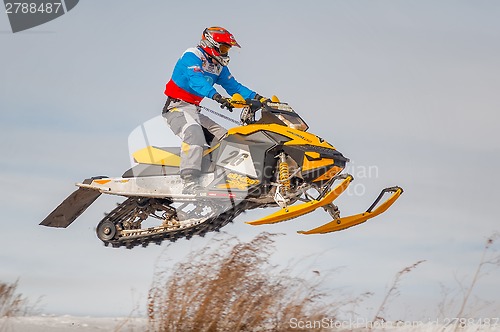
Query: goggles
{"points": [[224, 48]]}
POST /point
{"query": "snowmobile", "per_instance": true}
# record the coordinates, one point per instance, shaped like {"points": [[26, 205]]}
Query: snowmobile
{"points": [[270, 160]]}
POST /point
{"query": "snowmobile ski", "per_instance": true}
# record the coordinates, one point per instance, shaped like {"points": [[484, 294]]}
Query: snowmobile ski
{"points": [[295, 211], [346, 222]]}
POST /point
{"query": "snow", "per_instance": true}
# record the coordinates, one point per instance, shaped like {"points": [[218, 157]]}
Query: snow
{"points": [[47, 323], [65, 323]]}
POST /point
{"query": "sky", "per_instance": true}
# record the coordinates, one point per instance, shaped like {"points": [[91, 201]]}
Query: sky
{"points": [[408, 90]]}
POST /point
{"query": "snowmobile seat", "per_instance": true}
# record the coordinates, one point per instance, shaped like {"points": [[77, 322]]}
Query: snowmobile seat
{"points": [[161, 161]]}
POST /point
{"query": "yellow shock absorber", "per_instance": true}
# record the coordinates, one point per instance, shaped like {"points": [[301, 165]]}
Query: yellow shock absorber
{"points": [[284, 173]]}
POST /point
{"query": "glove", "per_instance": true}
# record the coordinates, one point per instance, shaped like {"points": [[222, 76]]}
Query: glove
{"points": [[224, 102], [260, 98]]}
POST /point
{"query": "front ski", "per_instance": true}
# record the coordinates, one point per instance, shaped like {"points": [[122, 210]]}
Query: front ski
{"points": [[295, 211], [346, 222]]}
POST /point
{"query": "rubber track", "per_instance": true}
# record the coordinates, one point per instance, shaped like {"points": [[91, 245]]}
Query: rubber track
{"points": [[129, 207]]}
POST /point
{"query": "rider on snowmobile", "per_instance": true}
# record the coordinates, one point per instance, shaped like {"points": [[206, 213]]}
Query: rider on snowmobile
{"points": [[194, 75]]}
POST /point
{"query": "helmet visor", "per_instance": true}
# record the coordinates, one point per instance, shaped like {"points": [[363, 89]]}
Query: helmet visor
{"points": [[224, 48]]}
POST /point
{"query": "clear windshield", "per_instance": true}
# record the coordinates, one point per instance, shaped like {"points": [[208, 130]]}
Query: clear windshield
{"points": [[287, 115]]}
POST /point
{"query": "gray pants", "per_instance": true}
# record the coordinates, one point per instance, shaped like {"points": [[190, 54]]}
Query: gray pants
{"points": [[186, 122]]}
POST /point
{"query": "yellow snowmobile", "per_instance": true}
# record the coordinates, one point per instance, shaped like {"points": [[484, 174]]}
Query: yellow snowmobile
{"points": [[270, 160]]}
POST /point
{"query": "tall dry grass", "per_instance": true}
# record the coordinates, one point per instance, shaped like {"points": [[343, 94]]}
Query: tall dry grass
{"points": [[460, 302], [232, 286], [394, 291], [11, 302]]}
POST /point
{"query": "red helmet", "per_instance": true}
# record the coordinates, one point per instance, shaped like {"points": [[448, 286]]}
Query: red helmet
{"points": [[216, 42]]}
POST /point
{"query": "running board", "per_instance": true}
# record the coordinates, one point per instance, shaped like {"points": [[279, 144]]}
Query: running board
{"points": [[295, 211], [346, 222]]}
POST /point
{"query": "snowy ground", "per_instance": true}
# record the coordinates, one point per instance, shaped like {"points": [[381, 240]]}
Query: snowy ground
{"points": [[71, 323], [65, 323]]}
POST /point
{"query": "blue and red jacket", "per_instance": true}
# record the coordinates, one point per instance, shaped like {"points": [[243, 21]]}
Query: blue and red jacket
{"points": [[195, 74]]}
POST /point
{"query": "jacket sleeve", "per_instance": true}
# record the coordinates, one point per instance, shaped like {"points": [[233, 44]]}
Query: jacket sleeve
{"points": [[232, 86], [194, 72]]}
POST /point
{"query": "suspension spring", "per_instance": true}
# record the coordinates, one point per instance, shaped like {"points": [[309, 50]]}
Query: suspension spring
{"points": [[284, 174]]}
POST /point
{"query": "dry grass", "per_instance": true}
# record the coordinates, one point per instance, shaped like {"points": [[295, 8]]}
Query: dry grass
{"points": [[232, 286], [11, 303], [461, 303], [393, 291]]}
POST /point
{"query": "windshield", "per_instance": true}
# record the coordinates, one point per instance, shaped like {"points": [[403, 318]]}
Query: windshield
{"points": [[286, 115]]}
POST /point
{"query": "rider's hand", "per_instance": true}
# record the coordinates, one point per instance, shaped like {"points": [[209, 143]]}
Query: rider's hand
{"points": [[260, 98], [224, 102]]}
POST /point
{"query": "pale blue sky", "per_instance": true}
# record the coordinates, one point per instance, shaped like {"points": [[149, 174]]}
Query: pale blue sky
{"points": [[409, 87]]}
